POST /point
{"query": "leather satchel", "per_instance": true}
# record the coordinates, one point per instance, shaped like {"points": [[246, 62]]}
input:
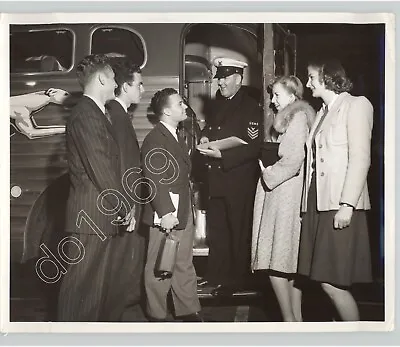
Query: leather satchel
{"points": [[166, 257]]}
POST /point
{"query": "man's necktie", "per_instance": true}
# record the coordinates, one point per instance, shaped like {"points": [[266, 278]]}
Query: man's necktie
{"points": [[179, 136], [108, 116], [181, 140]]}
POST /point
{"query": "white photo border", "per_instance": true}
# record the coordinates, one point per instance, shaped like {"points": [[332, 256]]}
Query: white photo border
{"points": [[205, 17]]}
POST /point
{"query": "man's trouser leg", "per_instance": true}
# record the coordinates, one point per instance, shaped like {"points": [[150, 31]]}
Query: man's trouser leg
{"points": [[183, 281], [219, 242], [81, 296], [125, 274], [240, 214]]}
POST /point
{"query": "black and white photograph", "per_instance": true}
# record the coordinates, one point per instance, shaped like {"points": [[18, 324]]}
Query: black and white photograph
{"points": [[199, 169]]}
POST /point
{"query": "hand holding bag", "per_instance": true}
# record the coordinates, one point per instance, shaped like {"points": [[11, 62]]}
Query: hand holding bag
{"points": [[166, 257], [269, 153]]}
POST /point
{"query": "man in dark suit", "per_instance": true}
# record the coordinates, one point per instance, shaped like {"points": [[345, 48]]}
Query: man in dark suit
{"points": [[232, 176], [97, 203], [126, 273], [166, 163]]}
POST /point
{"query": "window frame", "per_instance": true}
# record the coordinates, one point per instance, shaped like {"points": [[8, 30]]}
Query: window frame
{"points": [[124, 27], [40, 73]]}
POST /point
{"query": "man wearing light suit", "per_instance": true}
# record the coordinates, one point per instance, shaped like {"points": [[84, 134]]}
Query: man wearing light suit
{"points": [[166, 162], [94, 213]]}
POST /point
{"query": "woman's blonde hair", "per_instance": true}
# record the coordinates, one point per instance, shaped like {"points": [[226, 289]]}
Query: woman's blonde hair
{"points": [[292, 85]]}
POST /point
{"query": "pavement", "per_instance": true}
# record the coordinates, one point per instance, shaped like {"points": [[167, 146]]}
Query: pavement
{"points": [[33, 301]]}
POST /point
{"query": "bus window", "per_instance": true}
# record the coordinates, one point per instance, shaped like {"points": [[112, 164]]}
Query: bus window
{"points": [[41, 51], [119, 41]]}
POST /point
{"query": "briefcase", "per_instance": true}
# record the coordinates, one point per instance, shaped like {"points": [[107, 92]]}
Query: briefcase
{"points": [[166, 257]]}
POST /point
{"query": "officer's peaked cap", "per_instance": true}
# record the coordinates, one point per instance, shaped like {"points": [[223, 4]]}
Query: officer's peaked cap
{"points": [[227, 66]]}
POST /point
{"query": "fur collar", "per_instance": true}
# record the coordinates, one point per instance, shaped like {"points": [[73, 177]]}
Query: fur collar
{"points": [[297, 106], [283, 118]]}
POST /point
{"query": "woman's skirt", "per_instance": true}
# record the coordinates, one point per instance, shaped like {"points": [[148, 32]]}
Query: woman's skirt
{"points": [[336, 256]]}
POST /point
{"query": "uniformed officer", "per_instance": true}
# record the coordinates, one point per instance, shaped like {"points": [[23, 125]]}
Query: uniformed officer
{"points": [[232, 176]]}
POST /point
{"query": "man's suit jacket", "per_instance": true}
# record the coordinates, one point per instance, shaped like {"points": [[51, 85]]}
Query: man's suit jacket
{"points": [[129, 151], [94, 166], [173, 178], [343, 146]]}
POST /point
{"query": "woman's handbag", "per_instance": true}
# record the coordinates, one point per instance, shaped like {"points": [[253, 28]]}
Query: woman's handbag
{"points": [[269, 153], [166, 257]]}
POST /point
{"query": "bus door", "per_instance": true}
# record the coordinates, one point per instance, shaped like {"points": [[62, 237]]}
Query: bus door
{"points": [[201, 44], [279, 59]]}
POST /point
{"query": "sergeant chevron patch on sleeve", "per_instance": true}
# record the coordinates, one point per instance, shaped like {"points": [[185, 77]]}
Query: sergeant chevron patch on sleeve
{"points": [[252, 132]]}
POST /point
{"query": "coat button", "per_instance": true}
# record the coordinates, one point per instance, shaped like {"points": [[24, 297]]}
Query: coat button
{"points": [[322, 160], [219, 166], [320, 146], [219, 128], [209, 166], [210, 127], [322, 174]]}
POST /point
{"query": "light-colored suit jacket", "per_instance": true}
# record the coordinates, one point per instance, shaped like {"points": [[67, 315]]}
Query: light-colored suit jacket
{"points": [[343, 146]]}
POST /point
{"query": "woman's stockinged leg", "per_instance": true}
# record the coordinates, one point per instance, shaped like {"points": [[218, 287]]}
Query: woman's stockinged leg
{"points": [[295, 299], [343, 301], [283, 290]]}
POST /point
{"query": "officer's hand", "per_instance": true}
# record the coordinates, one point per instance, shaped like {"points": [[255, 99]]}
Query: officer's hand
{"points": [[211, 152], [169, 221], [204, 139]]}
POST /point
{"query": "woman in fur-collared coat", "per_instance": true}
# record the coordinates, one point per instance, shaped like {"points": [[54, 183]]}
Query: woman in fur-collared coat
{"points": [[276, 224]]}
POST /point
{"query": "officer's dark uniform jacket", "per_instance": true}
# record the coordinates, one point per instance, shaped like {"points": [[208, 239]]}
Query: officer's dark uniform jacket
{"points": [[232, 182], [237, 172]]}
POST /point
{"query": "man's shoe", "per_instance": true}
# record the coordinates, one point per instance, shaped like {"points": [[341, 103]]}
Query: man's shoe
{"points": [[202, 283], [223, 291], [193, 317]]}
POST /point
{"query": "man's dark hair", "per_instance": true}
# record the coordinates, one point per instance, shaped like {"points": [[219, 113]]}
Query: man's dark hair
{"points": [[124, 69], [89, 66], [332, 73], [160, 100]]}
